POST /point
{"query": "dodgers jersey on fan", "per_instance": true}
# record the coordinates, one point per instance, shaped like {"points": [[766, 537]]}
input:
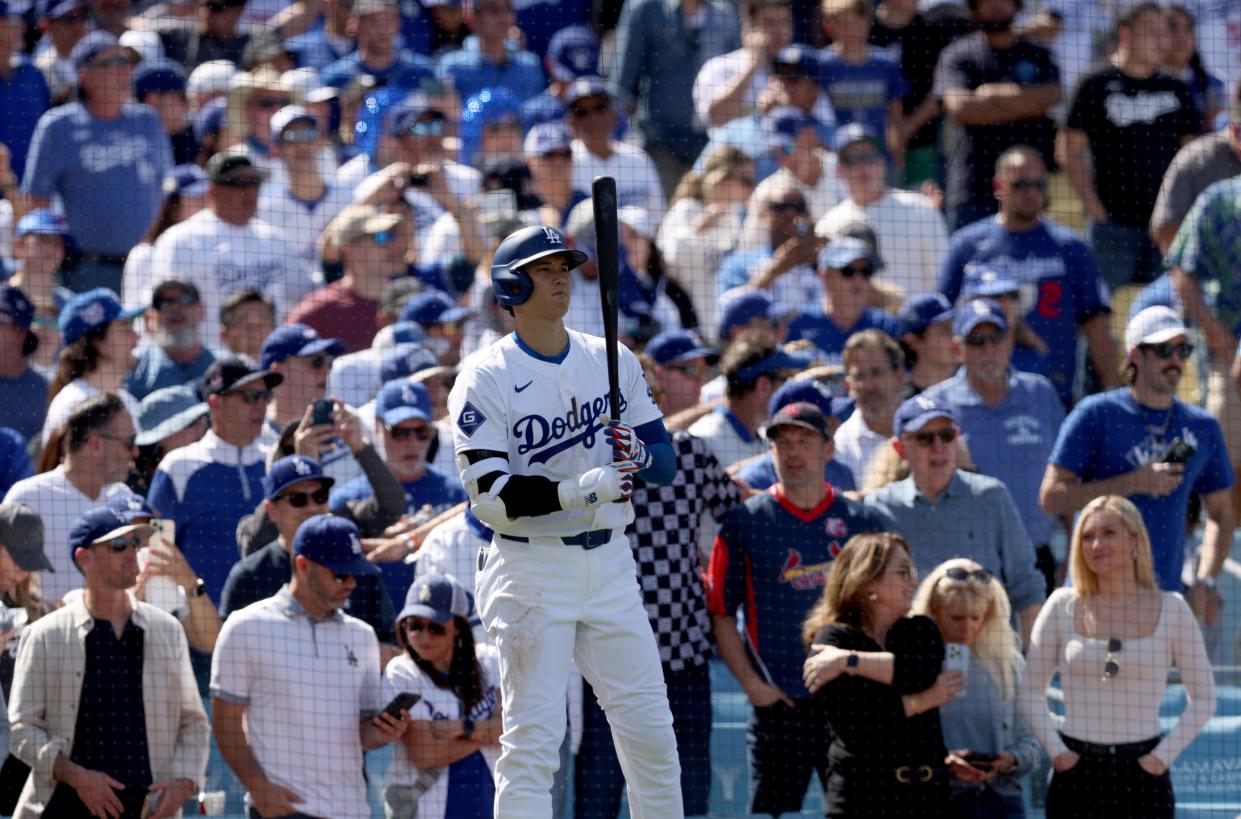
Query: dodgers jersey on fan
{"points": [[547, 414]]}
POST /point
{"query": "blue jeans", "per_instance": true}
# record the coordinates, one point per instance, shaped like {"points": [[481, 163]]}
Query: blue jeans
{"points": [[1125, 254], [597, 779]]}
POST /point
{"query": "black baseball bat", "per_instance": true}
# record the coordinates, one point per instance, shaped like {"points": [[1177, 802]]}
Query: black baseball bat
{"points": [[607, 250]]}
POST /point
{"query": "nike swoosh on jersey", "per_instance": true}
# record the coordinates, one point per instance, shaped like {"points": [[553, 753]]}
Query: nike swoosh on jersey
{"points": [[523, 386]]}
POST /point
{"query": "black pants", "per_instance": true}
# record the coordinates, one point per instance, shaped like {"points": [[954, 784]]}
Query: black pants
{"points": [[1107, 781], [786, 745]]}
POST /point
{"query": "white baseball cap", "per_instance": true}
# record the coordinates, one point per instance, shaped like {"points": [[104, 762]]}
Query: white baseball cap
{"points": [[1154, 325], [212, 77]]}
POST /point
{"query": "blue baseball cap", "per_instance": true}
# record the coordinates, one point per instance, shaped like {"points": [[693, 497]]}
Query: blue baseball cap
{"points": [[43, 221], [803, 390], [852, 134], [290, 470], [976, 312], [166, 412], [406, 113], [130, 504], [572, 52], [232, 373], [404, 360], [403, 400], [101, 523], [210, 119], [399, 332], [777, 361], [61, 9], [296, 340], [915, 413], [15, 305], [334, 543], [797, 60], [150, 77], [798, 414], [676, 346], [921, 312], [782, 126], [546, 137], [432, 307], [92, 45], [438, 598], [740, 306], [987, 282], [846, 250], [186, 180], [91, 310], [590, 85]]}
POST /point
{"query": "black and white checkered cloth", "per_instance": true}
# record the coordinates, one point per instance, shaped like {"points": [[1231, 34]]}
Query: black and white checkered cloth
{"points": [[664, 538]]}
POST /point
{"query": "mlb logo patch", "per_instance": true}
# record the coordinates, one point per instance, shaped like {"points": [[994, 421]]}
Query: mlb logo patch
{"points": [[836, 527], [470, 419]]}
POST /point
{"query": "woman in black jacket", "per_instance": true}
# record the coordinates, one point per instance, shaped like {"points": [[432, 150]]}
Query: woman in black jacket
{"points": [[879, 675]]}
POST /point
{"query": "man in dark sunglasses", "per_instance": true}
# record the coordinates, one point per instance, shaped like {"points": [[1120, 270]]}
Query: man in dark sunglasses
{"points": [[846, 267], [949, 512], [1144, 442], [294, 491], [177, 355], [106, 644]]}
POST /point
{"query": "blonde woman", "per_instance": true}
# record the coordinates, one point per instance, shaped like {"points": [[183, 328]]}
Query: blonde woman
{"points": [[879, 675], [1113, 637], [990, 747]]}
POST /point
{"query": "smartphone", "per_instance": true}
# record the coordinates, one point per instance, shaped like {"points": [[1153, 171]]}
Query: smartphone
{"points": [[322, 412], [401, 702], [1178, 452], [957, 658], [499, 204], [151, 804], [983, 762], [165, 532], [419, 180]]}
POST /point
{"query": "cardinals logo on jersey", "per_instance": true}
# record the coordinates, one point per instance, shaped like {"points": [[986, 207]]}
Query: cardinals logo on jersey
{"points": [[801, 576]]}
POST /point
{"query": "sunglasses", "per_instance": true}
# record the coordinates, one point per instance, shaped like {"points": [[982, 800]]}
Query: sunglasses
{"points": [[925, 439], [115, 61], [426, 625], [961, 575], [299, 136], [696, 371], [562, 155], [785, 207], [748, 181], [863, 270], [127, 440], [298, 500], [1110, 667], [861, 158], [1039, 185], [426, 127], [1164, 351], [318, 361], [253, 397], [270, 103], [185, 298], [983, 339], [582, 111], [240, 182], [403, 434], [118, 545]]}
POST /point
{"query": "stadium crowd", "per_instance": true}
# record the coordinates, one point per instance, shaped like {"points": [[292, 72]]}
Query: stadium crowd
{"points": [[923, 290]]}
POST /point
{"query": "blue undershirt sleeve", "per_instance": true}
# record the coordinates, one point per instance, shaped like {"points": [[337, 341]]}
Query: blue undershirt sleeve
{"points": [[663, 466]]}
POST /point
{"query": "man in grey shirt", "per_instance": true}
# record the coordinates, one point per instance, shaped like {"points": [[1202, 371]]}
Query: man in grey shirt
{"points": [[944, 512], [1196, 166]]}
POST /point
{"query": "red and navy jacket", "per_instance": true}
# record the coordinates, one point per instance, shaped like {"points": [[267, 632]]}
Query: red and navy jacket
{"points": [[772, 558]]}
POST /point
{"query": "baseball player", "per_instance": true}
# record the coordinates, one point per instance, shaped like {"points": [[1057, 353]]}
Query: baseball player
{"points": [[552, 477]]}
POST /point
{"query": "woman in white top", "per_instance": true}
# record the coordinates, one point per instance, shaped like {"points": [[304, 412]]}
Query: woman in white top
{"points": [[444, 766], [97, 353], [1113, 637]]}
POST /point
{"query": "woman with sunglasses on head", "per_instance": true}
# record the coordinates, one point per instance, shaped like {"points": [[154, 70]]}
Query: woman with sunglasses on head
{"points": [[990, 748], [880, 676], [443, 767], [1113, 637]]}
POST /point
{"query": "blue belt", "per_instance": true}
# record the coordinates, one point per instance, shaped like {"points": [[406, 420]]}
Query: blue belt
{"points": [[587, 540]]}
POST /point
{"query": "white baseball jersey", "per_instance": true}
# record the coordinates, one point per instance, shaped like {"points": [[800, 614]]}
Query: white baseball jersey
{"points": [[547, 415]]}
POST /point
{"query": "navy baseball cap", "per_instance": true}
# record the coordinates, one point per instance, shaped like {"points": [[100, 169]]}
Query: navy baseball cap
{"points": [[742, 305], [43, 221], [233, 373], [843, 252], [91, 310], [290, 470], [434, 307], [63, 8], [976, 312], [917, 412], [21, 532], [782, 125], [101, 523], [852, 134], [777, 361], [798, 414], [572, 52], [796, 60], [987, 282], [403, 400], [166, 412], [801, 390], [404, 360], [233, 164], [436, 597], [334, 543], [588, 86], [210, 119], [17, 309], [400, 332], [408, 112], [130, 504], [676, 346], [546, 137], [921, 312], [296, 340], [151, 77]]}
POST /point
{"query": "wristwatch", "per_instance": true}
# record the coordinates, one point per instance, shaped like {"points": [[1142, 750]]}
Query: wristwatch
{"points": [[851, 663], [200, 588]]}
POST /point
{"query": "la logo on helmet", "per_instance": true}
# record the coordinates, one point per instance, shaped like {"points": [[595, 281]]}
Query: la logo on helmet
{"points": [[552, 237]]}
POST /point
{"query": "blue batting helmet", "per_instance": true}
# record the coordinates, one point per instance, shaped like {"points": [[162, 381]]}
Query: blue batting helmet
{"points": [[512, 284]]}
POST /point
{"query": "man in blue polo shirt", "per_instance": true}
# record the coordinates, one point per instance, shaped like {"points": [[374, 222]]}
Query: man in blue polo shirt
{"points": [[377, 24], [489, 59], [846, 267], [1061, 288], [772, 556], [1125, 442], [1008, 418]]}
